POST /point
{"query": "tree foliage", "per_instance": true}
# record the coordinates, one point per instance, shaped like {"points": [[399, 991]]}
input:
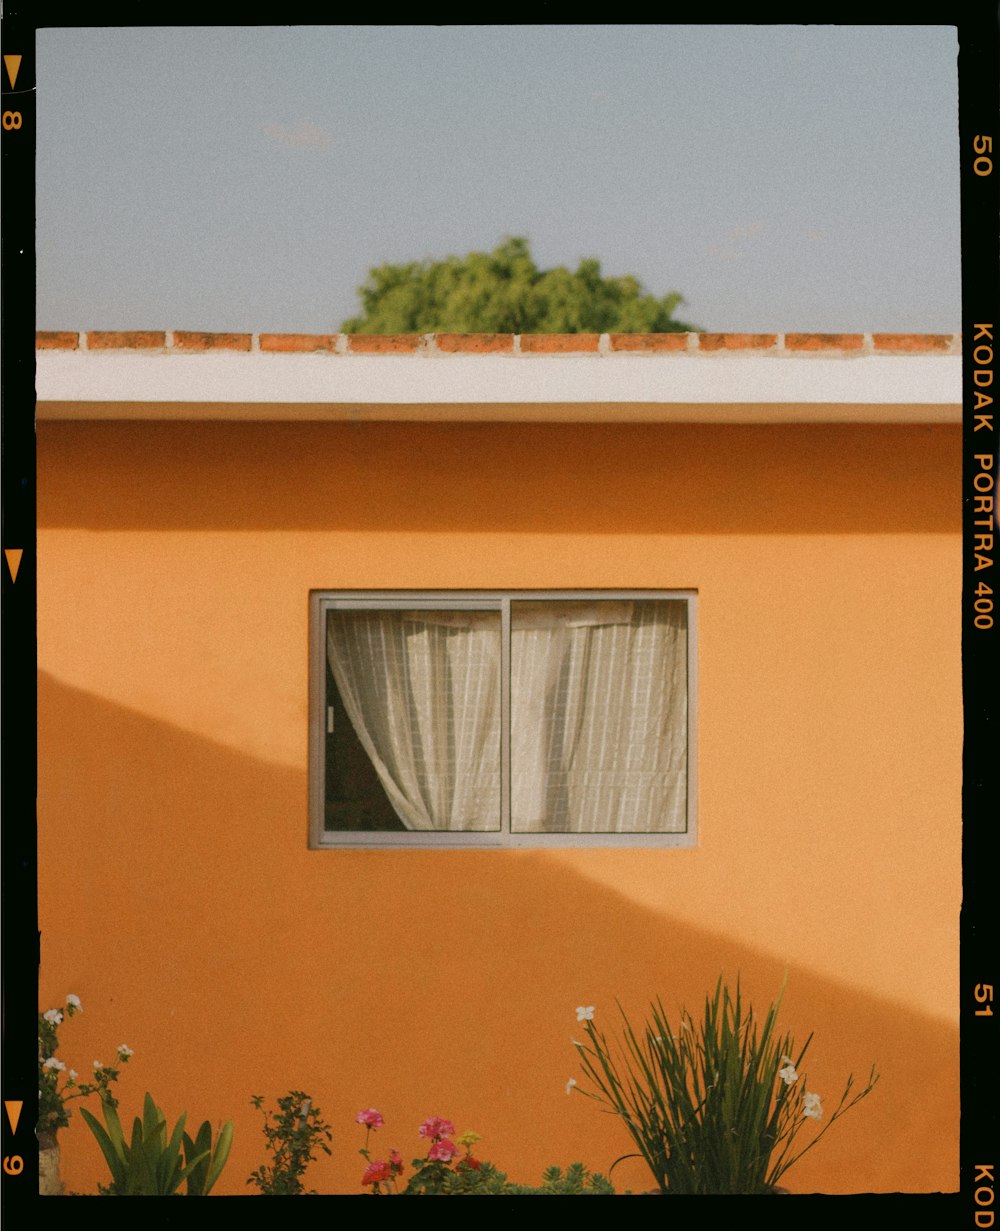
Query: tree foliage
{"points": [[504, 291]]}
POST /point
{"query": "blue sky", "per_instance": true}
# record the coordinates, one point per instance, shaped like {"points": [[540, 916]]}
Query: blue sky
{"points": [[246, 178]]}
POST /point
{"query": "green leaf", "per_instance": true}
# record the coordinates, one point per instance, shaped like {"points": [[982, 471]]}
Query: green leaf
{"points": [[115, 1130], [201, 1144], [222, 1148], [174, 1144], [168, 1164], [182, 1173], [151, 1115], [116, 1163], [141, 1176]]}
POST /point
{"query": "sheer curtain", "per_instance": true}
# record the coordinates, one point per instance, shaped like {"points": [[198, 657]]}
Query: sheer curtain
{"points": [[598, 740], [422, 690], [599, 717]]}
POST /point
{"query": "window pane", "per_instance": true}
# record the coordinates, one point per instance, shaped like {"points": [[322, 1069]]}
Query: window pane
{"points": [[421, 690], [599, 716]]}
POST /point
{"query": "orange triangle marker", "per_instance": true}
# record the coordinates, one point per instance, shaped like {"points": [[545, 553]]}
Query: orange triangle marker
{"points": [[13, 555], [13, 64], [13, 1107]]}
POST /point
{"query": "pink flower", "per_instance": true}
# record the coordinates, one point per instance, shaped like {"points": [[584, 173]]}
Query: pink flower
{"points": [[377, 1172], [395, 1161], [370, 1117], [442, 1151], [434, 1127]]}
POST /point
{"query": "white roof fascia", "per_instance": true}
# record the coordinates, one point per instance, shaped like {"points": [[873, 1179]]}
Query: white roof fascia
{"points": [[82, 384]]}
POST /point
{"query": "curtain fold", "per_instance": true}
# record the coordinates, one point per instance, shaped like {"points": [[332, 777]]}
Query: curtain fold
{"points": [[599, 719], [422, 691]]}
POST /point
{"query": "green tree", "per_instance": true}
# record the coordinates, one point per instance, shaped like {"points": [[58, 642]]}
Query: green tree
{"points": [[504, 291]]}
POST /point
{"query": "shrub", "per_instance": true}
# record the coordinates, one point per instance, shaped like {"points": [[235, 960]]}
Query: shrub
{"points": [[296, 1131]]}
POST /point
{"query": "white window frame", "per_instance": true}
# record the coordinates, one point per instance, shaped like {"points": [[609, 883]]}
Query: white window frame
{"points": [[323, 601]]}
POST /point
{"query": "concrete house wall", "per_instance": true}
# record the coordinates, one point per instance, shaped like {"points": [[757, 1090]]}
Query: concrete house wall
{"points": [[184, 514]]}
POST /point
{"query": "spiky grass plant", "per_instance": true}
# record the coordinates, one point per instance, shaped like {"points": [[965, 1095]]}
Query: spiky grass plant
{"points": [[715, 1107]]}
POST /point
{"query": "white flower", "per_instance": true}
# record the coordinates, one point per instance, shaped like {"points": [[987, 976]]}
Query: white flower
{"points": [[811, 1106], [788, 1074], [98, 1065], [53, 1016], [53, 1063], [74, 1002], [584, 1012], [570, 1084], [72, 1074], [125, 1051]]}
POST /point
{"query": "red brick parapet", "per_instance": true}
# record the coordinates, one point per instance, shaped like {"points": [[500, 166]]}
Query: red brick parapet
{"points": [[558, 343], [474, 343], [649, 343], [914, 343], [142, 339], [287, 343], [824, 341], [182, 339], [51, 339], [826, 345]]}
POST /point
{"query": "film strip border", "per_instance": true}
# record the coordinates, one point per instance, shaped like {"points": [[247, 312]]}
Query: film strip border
{"points": [[18, 901]]}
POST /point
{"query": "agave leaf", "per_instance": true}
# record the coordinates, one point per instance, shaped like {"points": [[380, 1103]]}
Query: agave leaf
{"points": [[169, 1161], [222, 1148], [184, 1172], [116, 1163], [174, 1144], [196, 1180], [151, 1115], [115, 1131], [150, 1171], [141, 1177]]}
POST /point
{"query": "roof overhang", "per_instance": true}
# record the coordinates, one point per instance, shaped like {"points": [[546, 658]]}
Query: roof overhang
{"points": [[619, 387]]}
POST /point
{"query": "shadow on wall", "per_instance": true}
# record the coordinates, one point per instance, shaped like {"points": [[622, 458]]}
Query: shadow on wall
{"points": [[681, 478], [179, 901]]}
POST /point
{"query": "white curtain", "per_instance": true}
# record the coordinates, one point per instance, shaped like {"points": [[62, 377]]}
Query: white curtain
{"points": [[599, 717], [422, 690], [598, 713]]}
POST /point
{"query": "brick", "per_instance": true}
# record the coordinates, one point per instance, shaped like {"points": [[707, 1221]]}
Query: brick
{"points": [[475, 343], [50, 339], [648, 341], [384, 343], [558, 343], [824, 341], [298, 342], [135, 339], [186, 340], [912, 343], [736, 341]]}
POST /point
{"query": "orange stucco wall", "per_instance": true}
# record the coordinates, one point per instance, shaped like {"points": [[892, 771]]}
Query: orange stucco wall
{"points": [[179, 900]]}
